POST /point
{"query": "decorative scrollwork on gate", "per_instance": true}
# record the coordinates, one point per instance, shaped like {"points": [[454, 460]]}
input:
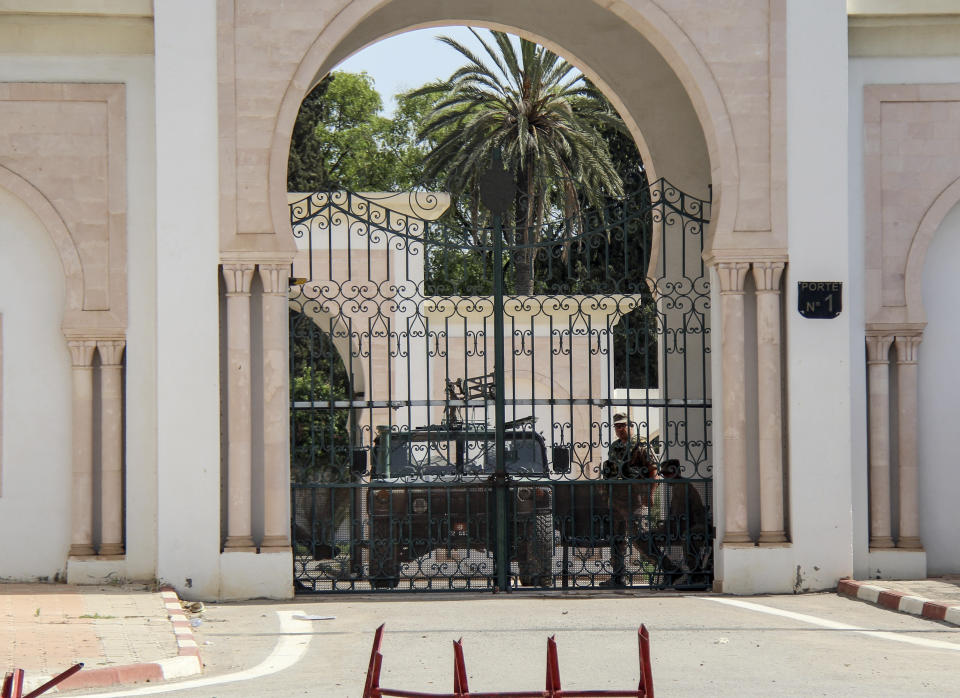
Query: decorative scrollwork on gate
{"points": [[393, 429]]}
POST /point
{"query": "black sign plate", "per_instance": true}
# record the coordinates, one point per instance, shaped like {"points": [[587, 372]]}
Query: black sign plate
{"points": [[820, 299]]}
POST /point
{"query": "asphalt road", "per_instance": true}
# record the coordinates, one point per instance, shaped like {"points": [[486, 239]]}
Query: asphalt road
{"points": [[705, 645]]}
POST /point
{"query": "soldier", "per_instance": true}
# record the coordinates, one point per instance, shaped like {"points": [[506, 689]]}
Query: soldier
{"points": [[627, 459], [621, 450], [683, 529]]}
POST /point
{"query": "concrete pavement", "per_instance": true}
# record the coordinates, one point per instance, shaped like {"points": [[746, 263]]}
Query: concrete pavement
{"points": [[122, 634], [134, 634]]}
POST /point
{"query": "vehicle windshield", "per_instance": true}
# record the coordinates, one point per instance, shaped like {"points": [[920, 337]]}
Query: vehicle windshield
{"points": [[442, 453]]}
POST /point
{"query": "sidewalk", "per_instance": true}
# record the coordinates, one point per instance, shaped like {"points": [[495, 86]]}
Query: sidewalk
{"points": [[122, 634], [936, 598], [128, 634]]}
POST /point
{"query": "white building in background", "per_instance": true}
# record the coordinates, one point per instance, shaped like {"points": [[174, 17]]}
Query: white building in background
{"points": [[143, 154], [350, 243]]}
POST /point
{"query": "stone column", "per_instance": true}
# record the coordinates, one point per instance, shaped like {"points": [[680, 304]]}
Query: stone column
{"points": [[111, 446], [238, 278], [81, 534], [732, 275], [878, 376], [276, 405], [766, 276], [907, 350]]}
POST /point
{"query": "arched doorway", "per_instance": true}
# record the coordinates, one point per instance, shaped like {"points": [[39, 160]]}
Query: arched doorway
{"points": [[653, 30]]}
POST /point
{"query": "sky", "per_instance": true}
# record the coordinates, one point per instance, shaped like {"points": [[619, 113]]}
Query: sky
{"points": [[409, 60]]}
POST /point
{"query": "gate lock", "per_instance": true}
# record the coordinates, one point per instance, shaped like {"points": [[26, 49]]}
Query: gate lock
{"points": [[372, 688]]}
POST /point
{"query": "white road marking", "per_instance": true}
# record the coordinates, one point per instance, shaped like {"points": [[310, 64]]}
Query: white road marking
{"points": [[289, 650], [833, 625]]}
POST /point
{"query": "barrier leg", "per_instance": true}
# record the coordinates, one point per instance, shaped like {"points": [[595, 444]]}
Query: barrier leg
{"points": [[553, 668], [371, 687], [460, 687], [646, 674], [59, 678], [13, 684]]}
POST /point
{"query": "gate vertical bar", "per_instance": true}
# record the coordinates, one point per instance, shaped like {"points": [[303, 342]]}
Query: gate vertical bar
{"points": [[500, 476]]}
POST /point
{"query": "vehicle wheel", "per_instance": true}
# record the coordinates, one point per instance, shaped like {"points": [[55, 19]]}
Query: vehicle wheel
{"points": [[536, 565]]}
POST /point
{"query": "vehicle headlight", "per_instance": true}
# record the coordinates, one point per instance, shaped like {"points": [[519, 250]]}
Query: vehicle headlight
{"points": [[524, 494]]}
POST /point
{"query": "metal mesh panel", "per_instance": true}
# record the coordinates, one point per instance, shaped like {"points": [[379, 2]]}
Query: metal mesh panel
{"points": [[394, 437]]}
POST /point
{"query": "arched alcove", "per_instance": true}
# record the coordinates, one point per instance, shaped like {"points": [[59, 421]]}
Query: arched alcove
{"points": [[56, 230], [931, 225], [320, 357], [939, 383], [35, 387]]}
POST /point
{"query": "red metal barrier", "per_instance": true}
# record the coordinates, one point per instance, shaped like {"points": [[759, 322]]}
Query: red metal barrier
{"points": [[372, 688], [13, 683]]}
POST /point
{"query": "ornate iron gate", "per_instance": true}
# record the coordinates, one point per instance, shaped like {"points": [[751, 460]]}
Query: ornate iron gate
{"points": [[449, 431]]}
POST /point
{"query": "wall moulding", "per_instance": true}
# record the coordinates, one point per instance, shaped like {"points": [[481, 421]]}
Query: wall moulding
{"points": [[911, 182], [753, 255], [63, 152]]}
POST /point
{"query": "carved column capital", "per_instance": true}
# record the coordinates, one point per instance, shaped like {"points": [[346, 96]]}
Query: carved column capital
{"points": [[878, 348], [732, 276], [81, 352], [766, 276], [238, 278], [907, 348], [111, 351], [275, 278]]}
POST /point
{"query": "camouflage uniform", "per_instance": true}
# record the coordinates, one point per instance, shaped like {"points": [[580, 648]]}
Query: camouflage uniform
{"points": [[618, 457], [617, 467]]}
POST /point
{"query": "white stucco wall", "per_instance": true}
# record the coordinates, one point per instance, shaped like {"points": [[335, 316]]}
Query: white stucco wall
{"points": [[187, 255], [35, 461], [894, 71], [818, 351], [136, 71], [939, 387]]}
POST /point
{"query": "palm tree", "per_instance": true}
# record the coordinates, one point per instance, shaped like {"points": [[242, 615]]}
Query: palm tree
{"points": [[544, 119]]}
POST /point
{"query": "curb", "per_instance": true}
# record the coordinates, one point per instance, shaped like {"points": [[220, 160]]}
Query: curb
{"points": [[897, 601], [186, 663]]}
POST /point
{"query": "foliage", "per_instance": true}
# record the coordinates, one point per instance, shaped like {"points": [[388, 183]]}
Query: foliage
{"points": [[535, 111], [320, 436], [340, 140]]}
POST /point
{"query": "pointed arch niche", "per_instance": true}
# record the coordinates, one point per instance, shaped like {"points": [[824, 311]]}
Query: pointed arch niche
{"points": [[67, 163], [912, 183]]}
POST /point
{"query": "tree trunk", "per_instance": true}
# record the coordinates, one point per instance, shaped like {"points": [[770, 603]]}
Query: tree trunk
{"points": [[522, 257]]}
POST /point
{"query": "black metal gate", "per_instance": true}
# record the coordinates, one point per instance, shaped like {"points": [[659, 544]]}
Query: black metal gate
{"points": [[454, 392]]}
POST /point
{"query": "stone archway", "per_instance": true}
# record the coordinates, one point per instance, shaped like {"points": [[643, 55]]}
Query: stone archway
{"points": [[690, 109], [731, 84]]}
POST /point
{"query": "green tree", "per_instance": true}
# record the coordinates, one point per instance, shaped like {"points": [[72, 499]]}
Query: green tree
{"points": [[341, 141], [320, 435], [537, 111]]}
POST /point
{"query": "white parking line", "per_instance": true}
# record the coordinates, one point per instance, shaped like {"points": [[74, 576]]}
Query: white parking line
{"points": [[833, 625], [289, 650]]}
